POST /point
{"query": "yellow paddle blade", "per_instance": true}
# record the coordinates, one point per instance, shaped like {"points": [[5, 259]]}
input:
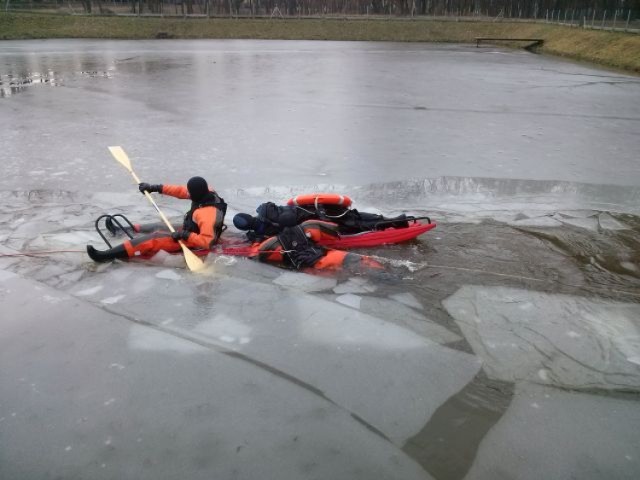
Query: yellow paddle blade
{"points": [[194, 262], [120, 155]]}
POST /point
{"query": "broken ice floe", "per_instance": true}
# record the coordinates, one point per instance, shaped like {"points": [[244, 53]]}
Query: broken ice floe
{"points": [[169, 275], [355, 285], [305, 281], [407, 299], [389, 376], [203, 395], [401, 315], [607, 222], [547, 338], [548, 433], [350, 300], [588, 223]]}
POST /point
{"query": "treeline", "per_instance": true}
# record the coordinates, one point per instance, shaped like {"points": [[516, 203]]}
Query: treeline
{"points": [[536, 9]]}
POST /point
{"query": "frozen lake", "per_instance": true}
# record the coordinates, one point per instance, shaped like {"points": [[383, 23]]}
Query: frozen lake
{"points": [[503, 344]]}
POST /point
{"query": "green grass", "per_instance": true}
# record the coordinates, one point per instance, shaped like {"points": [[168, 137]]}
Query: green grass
{"points": [[618, 50]]}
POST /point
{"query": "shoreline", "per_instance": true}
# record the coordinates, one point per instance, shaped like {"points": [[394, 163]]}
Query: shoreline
{"points": [[617, 50]]}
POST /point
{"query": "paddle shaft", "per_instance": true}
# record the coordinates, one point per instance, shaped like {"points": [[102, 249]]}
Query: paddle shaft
{"points": [[155, 205], [193, 262]]}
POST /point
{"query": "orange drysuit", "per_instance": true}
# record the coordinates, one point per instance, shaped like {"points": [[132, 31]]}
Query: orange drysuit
{"points": [[204, 221]]}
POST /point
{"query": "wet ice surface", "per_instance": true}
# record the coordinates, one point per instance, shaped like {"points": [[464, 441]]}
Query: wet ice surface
{"points": [[561, 340], [257, 371], [548, 433], [148, 404], [312, 112], [321, 343]]}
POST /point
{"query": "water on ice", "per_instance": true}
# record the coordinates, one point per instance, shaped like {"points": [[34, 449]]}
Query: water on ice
{"points": [[579, 342]]}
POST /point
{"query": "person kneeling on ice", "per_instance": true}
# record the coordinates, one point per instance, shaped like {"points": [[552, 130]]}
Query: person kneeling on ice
{"points": [[201, 229], [295, 247], [272, 219]]}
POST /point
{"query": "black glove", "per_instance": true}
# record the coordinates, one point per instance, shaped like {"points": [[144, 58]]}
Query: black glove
{"points": [[181, 235], [254, 237], [147, 187]]}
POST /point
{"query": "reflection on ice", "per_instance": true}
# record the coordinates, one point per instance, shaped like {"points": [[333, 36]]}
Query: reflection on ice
{"points": [[548, 433], [407, 299], [554, 339]]}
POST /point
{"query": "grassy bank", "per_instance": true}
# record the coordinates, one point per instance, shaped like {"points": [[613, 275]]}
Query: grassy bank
{"points": [[617, 50]]}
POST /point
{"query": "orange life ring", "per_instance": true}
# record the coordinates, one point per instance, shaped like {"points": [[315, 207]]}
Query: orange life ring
{"points": [[320, 199]]}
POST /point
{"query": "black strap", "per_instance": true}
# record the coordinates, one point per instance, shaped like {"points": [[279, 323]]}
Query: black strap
{"points": [[298, 249]]}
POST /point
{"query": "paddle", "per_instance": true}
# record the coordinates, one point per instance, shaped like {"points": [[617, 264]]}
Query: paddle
{"points": [[193, 261]]}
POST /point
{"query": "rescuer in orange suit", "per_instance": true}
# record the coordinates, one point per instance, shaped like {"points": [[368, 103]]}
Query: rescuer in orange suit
{"points": [[201, 228]]}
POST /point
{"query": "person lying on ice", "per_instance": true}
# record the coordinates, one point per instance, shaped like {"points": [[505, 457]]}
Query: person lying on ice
{"points": [[272, 219], [202, 227], [295, 247]]}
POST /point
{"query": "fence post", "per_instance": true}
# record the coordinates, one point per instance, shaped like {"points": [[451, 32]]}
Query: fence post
{"points": [[604, 15], [615, 17], [593, 19], [626, 27]]}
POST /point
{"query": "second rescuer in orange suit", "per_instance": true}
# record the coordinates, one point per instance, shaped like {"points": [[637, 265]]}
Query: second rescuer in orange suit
{"points": [[201, 228]]}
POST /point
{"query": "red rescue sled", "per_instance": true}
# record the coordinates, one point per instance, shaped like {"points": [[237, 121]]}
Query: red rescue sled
{"points": [[368, 239]]}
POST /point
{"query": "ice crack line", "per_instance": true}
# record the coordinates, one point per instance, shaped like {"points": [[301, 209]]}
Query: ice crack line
{"points": [[211, 345]]}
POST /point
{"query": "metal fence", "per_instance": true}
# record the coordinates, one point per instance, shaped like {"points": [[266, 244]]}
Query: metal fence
{"points": [[621, 20]]}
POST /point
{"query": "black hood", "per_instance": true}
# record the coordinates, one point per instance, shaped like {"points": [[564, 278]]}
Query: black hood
{"points": [[198, 188]]}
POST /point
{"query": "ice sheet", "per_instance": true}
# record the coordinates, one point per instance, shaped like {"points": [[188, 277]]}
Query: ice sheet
{"points": [[404, 316], [387, 375], [554, 339], [355, 285], [305, 282], [551, 434], [350, 300], [106, 398], [607, 222]]}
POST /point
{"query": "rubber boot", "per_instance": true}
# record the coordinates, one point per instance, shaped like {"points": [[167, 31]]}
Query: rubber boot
{"points": [[107, 255]]}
